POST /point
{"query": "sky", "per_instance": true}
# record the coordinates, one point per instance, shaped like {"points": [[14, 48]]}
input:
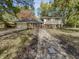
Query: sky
{"points": [[37, 4]]}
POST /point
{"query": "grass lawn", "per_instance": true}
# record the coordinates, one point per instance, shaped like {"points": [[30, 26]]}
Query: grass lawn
{"points": [[9, 46], [70, 29], [68, 39]]}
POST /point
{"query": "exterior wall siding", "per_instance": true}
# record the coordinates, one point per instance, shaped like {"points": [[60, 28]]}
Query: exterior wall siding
{"points": [[47, 23], [53, 23]]}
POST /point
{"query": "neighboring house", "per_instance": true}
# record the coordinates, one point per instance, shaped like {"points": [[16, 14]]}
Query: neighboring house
{"points": [[29, 23]]}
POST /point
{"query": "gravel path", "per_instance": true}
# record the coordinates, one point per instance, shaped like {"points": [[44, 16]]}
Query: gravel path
{"points": [[49, 47]]}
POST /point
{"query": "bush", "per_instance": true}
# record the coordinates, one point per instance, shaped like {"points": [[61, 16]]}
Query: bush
{"points": [[73, 21]]}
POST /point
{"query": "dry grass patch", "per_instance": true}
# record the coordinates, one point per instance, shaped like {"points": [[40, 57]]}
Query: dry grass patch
{"points": [[10, 46]]}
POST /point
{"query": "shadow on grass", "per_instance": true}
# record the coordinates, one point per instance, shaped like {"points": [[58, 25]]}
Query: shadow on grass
{"points": [[69, 45], [69, 30], [2, 50]]}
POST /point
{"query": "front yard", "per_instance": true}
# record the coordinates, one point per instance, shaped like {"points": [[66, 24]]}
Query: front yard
{"points": [[69, 40], [11, 45]]}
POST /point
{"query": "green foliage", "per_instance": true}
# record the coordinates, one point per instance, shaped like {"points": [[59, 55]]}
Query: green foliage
{"points": [[16, 9], [73, 21], [7, 5], [46, 8], [8, 17], [70, 9], [10, 11], [9, 20]]}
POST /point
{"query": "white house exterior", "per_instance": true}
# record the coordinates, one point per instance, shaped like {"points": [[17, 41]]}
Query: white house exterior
{"points": [[53, 21]]}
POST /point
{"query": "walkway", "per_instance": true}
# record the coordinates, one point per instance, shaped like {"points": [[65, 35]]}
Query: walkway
{"points": [[49, 47]]}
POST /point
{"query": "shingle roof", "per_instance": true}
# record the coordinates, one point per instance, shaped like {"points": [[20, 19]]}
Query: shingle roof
{"points": [[30, 21]]}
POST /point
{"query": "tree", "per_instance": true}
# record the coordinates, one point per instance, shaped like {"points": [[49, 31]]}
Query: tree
{"points": [[73, 21], [69, 9], [9, 11], [73, 14], [25, 14], [45, 8], [26, 3], [7, 5]]}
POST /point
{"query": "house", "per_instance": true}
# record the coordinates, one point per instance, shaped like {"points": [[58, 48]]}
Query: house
{"points": [[46, 22], [29, 23], [27, 19], [54, 19], [52, 22]]}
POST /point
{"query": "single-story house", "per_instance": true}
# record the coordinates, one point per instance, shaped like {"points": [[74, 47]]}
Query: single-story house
{"points": [[29, 23], [52, 22], [46, 22]]}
